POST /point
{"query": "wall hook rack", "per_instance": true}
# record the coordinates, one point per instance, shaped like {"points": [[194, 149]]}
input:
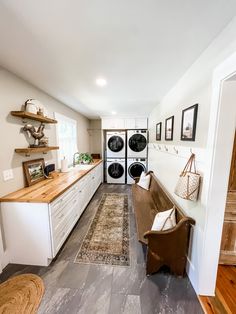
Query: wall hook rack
{"points": [[159, 147], [166, 148], [176, 150]]}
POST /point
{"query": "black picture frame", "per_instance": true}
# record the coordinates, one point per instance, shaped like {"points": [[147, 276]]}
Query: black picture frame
{"points": [[158, 131], [189, 123], [169, 128]]}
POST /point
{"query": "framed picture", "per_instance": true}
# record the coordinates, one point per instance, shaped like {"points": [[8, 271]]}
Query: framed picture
{"points": [[169, 129], [189, 123], [34, 171], [158, 131]]}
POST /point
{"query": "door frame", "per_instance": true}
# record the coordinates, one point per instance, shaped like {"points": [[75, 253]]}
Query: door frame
{"points": [[220, 135]]}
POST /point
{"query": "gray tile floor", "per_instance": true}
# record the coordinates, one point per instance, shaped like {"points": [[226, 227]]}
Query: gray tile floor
{"points": [[79, 288]]}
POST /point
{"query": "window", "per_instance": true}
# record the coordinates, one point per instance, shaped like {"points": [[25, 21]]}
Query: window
{"points": [[66, 138]]}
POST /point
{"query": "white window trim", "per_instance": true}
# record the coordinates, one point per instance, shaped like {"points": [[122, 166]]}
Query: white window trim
{"points": [[59, 116]]}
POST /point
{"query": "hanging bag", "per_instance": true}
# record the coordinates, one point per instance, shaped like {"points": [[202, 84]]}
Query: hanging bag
{"points": [[189, 181]]}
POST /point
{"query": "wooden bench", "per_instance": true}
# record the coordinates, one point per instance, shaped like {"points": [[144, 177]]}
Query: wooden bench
{"points": [[168, 247]]}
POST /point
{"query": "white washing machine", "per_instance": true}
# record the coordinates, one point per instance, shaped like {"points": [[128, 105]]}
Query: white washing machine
{"points": [[115, 144], [137, 141], [135, 166], [115, 171]]}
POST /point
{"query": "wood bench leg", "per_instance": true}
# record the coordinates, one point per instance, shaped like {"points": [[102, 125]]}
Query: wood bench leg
{"points": [[153, 263], [178, 267]]}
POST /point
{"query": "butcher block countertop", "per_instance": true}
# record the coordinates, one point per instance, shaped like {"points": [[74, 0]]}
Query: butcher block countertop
{"points": [[48, 190]]}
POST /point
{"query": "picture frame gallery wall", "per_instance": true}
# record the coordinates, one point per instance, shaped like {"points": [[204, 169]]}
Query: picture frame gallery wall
{"points": [[188, 125]]}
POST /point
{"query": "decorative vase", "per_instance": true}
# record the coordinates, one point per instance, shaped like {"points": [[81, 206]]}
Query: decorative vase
{"points": [[31, 108]]}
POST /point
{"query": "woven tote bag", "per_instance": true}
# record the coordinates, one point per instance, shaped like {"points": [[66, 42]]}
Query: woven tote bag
{"points": [[189, 181]]}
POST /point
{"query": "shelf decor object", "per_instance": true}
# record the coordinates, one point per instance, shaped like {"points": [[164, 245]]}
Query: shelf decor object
{"points": [[37, 134]]}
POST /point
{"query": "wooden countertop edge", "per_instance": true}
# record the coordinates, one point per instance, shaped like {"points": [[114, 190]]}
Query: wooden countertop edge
{"points": [[7, 199]]}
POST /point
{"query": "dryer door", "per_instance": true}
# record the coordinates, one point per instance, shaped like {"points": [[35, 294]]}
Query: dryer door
{"points": [[136, 169], [115, 170], [115, 143], [137, 142]]}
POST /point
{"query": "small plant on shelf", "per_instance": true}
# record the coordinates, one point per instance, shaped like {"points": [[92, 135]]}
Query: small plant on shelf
{"points": [[84, 158]]}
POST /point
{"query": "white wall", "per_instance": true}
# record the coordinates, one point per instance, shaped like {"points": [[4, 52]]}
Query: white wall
{"points": [[194, 87], [13, 93]]}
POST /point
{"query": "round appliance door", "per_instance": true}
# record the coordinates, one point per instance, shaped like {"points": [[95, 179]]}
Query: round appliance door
{"points": [[137, 142], [136, 169], [115, 170], [115, 143]]}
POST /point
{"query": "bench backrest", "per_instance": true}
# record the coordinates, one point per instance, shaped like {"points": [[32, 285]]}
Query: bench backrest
{"points": [[161, 199]]}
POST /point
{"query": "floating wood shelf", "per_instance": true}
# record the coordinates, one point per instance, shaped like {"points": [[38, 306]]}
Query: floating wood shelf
{"points": [[34, 150], [32, 116]]}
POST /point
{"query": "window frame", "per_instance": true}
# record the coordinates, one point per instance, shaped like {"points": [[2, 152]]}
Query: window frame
{"points": [[61, 117]]}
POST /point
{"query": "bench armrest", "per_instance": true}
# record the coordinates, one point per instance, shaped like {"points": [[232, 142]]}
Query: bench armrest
{"points": [[186, 221]]}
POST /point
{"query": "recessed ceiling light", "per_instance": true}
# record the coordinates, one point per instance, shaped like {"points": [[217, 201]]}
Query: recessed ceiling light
{"points": [[113, 112], [100, 81]]}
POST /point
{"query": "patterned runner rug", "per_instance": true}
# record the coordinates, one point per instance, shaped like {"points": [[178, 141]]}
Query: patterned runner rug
{"points": [[107, 240]]}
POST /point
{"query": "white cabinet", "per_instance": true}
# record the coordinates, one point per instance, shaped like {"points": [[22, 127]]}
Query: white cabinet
{"points": [[130, 124], [121, 124], [141, 123], [136, 123], [113, 124], [34, 232]]}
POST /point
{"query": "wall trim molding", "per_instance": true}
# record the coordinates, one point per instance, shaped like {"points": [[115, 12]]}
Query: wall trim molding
{"points": [[221, 135]]}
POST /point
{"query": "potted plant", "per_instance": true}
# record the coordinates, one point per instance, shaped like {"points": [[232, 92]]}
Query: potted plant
{"points": [[85, 158]]}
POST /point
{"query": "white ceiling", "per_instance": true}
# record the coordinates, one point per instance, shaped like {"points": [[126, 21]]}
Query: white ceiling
{"points": [[141, 47]]}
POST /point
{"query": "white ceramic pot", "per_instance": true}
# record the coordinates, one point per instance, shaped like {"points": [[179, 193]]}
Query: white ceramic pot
{"points": [[31, 108]]}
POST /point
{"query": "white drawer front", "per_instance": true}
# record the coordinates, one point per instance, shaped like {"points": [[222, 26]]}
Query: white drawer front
{"points": [[64, 229], [66, 210], [64, 198], [58, 217]]}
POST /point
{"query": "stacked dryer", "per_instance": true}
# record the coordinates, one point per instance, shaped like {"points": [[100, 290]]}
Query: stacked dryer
{"points": [[116, 156], [136, 153]]}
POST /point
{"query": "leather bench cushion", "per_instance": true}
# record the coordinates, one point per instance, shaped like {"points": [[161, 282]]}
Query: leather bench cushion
{"points": [[145, 211]]}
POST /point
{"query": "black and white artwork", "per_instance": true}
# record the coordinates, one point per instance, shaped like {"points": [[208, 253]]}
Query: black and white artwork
{"points": [[169, 129], [158, 131], [189, 123]]}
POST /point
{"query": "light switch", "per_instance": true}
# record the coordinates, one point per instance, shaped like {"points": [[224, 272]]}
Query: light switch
{"points": [[8, 174]]}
